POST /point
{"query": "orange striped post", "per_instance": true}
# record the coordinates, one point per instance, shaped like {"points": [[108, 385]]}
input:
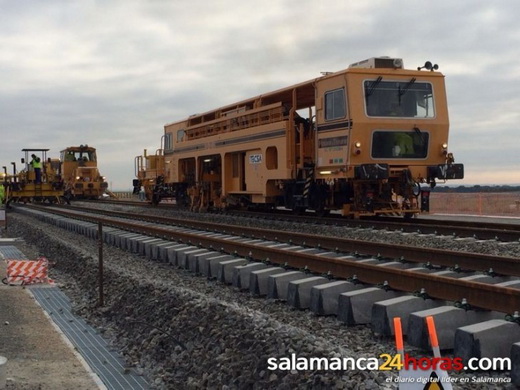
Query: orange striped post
{"points": [[440, 373], [433, 336], [398, 330]]}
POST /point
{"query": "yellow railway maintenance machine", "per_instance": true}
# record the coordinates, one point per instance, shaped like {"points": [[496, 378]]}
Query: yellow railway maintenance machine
{"points": [[368, 140], [81, 174], [24, 186], [150, 173], [149, 170]]}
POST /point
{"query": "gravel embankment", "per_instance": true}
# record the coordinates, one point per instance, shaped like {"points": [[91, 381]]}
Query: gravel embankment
{"points": [[183, 331]]}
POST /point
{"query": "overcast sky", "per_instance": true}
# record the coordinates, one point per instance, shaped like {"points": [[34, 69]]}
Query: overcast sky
{"points": [[111, 73]]}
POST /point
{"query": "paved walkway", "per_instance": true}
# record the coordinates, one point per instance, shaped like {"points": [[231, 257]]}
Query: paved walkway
{"points": [[38, 356]]}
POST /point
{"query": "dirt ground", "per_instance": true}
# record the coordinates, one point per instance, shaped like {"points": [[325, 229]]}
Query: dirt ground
{"points": [[490, 204], [38, 357]]}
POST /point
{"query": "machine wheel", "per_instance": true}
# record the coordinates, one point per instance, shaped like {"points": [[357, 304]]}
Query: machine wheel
{"points": [[155, 199], [322, 213], [298, 210], [407, 216]]}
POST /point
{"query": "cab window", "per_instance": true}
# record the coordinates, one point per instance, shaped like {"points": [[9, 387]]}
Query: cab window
{"points": [[335, 104], [400, 144], [404, 99], [168, 144]]}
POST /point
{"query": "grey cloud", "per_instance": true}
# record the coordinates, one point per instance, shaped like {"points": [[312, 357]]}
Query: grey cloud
{"points": [[112, 73]]}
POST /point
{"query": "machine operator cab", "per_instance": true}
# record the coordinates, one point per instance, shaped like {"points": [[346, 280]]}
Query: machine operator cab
{"points": [[81, 174], [39, 180], [38, 168], [383, 132]]}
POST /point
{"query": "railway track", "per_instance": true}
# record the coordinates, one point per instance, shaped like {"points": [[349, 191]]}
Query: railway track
{"points": [[315, 266], [398, 267], [422, 225]]}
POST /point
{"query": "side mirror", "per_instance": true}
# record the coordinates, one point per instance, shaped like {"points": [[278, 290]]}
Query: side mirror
{"points": [[23, 160]]}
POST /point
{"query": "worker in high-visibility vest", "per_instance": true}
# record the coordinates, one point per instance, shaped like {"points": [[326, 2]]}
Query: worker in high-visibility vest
{"points": [[403, 145], [2, 193], [37, 166]]}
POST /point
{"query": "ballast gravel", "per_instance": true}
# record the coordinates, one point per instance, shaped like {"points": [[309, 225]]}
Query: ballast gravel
{"points": [[183, 331], [489, 247]]}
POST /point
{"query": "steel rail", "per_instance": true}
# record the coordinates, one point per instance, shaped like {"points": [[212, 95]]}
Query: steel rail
{"points": [[477, 294], [479, 230], [500, 265]]}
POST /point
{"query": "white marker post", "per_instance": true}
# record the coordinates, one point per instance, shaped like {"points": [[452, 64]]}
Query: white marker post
{"points": [[415, 378]]}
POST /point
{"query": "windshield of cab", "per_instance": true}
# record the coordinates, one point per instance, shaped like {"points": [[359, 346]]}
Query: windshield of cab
{"points": [[403, 99]]}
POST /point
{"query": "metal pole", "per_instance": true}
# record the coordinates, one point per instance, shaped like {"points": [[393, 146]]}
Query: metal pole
{"points": [[100, 268], [3, 217]]}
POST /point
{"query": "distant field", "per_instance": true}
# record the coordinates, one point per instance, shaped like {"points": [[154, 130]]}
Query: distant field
{"points": [[501, 203]]}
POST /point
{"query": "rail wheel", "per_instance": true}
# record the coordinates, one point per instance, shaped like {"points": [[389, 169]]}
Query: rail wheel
{"points": [[156, 199], [407, 215], [322, 213], [298, 210]]}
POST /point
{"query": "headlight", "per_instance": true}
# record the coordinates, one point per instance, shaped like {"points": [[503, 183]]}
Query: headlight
{"points": [[357, 148]]}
